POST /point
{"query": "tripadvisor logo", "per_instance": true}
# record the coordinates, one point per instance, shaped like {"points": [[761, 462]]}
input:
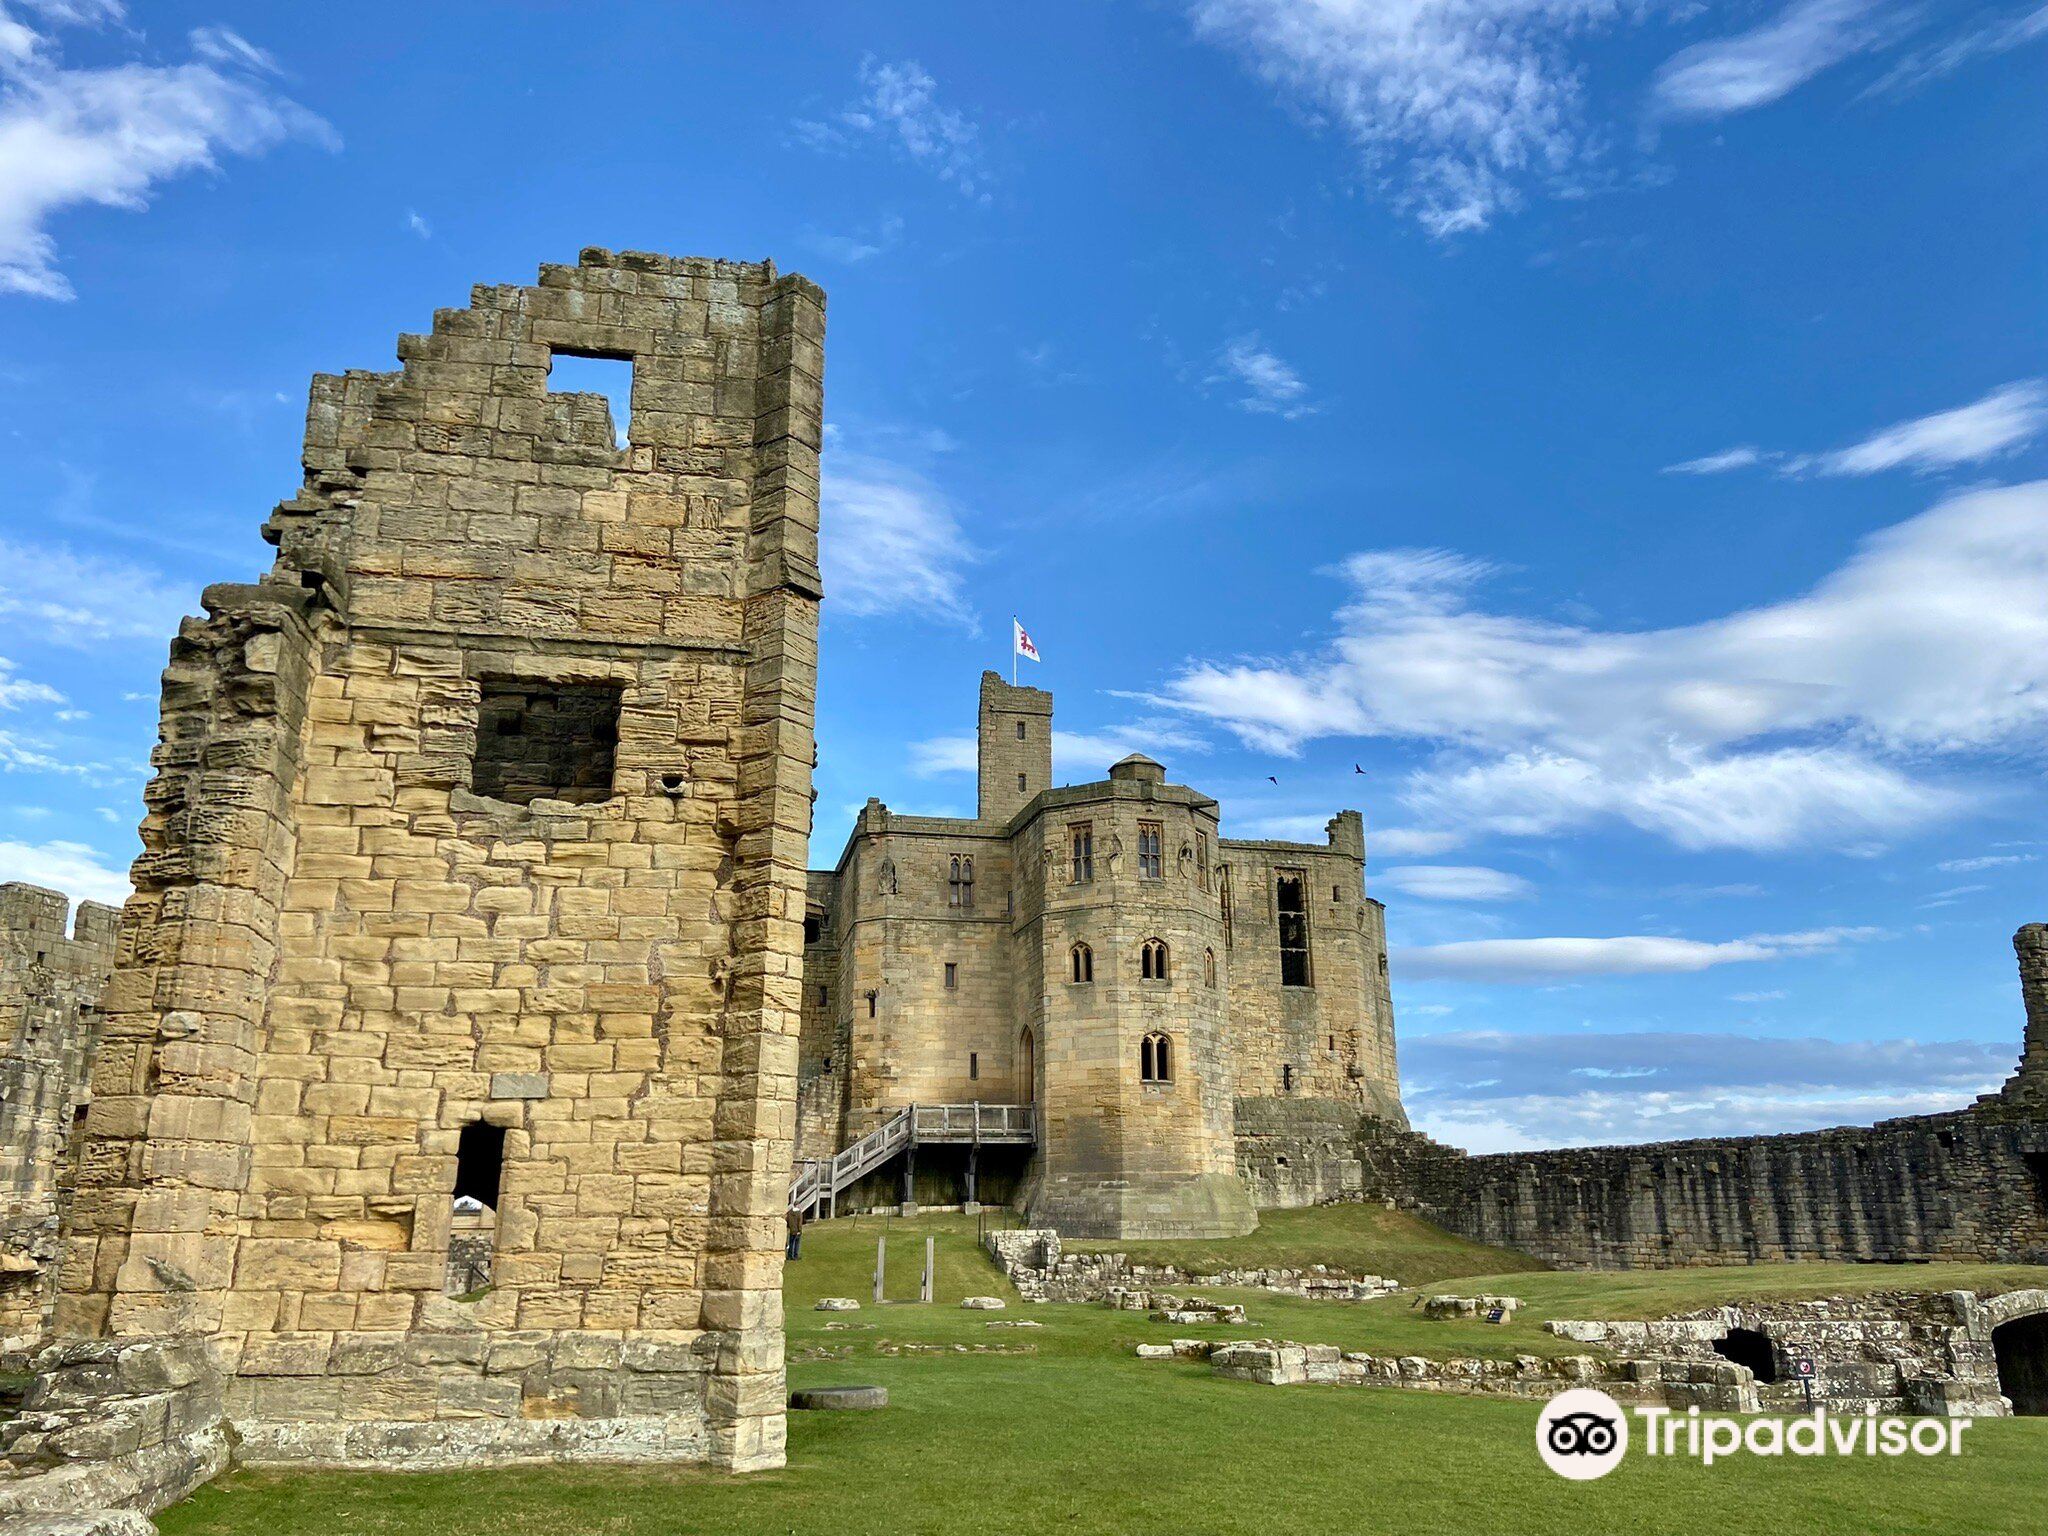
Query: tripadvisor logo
{"points": [[1583, 1434]]}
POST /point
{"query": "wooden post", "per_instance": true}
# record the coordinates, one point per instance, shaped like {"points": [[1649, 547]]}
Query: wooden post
{"points": [[931, 1269], [881, 1258]]}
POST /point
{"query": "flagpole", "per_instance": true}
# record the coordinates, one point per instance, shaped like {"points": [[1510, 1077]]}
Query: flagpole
{"points": [[1013, 650]]}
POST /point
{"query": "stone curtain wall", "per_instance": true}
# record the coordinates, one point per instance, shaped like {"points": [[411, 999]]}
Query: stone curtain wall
{"points": [[340, 953], [1968, 1185], [52, 970]]}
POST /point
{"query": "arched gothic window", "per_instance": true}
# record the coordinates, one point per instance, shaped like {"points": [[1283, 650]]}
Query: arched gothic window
{"points": [[1208, 967], [1152, 960], [960, 882], [1155, 1058], [1084, 963]]}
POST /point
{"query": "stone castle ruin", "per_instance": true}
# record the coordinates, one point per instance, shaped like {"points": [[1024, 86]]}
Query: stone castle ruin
{"points": [[441, 1104], [52, 967], [433, 1100]]}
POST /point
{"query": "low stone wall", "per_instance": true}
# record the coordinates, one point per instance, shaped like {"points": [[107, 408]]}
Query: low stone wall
{"points": [[1887, 1353], [114, 1424], [1041, 1271], [1716, 1386]]}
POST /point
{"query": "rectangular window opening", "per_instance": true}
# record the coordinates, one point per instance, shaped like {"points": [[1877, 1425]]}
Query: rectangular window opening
{"points": [[1291, 902], [973, 1065], [1083, 837], [1151, 858], [546, 741], [952, 976], [606, 383]]}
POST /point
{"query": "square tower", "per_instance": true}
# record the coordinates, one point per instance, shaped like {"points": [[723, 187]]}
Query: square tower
{"points": [[444, 1101], [1013, 749]]}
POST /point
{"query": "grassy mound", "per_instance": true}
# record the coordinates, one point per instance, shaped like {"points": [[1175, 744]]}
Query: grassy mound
{"points": [[1361, 1239]]}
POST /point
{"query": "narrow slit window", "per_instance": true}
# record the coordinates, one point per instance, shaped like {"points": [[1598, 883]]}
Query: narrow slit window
{"points": [[1020, 730], [1208, 967], [952, 977], [546, 741], [473, 1226], [604, 411], [1287, 1078], [973, 1065], [1021, 781], [1291, 900]]}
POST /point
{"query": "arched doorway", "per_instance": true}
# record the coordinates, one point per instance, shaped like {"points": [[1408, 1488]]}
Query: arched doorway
{"points": [[2021, 1348], [1029, 1054]]}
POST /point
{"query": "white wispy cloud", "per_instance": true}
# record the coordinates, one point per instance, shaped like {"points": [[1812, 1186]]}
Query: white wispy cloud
{"points": [[1077, 756], [1267, 384], [855, 248], [1569, 959], [1984, 861], [1494, 1091], [1998, 35], [17, 691], [1456, 106], [890, 541], [1453, 882], [899, 106], [109, 135], [1717, 463], [1837, 716], [75, 599], [78, 871], [2002, 422], [1752, 69], [418, 225]]}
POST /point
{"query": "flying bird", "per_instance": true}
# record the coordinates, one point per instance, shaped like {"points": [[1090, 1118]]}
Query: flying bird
{"points": [[1356, 769], [1271, 780]]}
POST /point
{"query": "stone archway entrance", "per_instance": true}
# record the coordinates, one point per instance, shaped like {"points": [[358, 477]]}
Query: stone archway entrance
{"points": [[2021, 1347]]}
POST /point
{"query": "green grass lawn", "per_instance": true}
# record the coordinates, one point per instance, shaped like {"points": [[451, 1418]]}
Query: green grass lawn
{"points": [[1077, 1435]]}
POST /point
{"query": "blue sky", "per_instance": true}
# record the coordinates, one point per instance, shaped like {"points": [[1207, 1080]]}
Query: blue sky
{"points": [[1618, 428]]}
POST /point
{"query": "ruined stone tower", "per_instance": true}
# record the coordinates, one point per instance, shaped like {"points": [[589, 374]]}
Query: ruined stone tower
{"points": [[443, 1107], [2028, 1088], [52, 967]]}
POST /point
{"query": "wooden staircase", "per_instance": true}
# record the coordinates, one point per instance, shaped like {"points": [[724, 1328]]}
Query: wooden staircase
{"points": [[819, 1181]]}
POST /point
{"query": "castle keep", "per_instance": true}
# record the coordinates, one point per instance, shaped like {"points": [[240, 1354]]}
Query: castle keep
{"points": [[1101, 956], [440, 1109]]}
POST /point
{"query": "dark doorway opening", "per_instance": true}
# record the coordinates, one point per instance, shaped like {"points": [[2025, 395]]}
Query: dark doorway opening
{"points": [[1745, 1346], [2022, 1350]]}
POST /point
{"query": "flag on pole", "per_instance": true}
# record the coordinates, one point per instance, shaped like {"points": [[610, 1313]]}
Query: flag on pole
{"points": [[1024, 647]]}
